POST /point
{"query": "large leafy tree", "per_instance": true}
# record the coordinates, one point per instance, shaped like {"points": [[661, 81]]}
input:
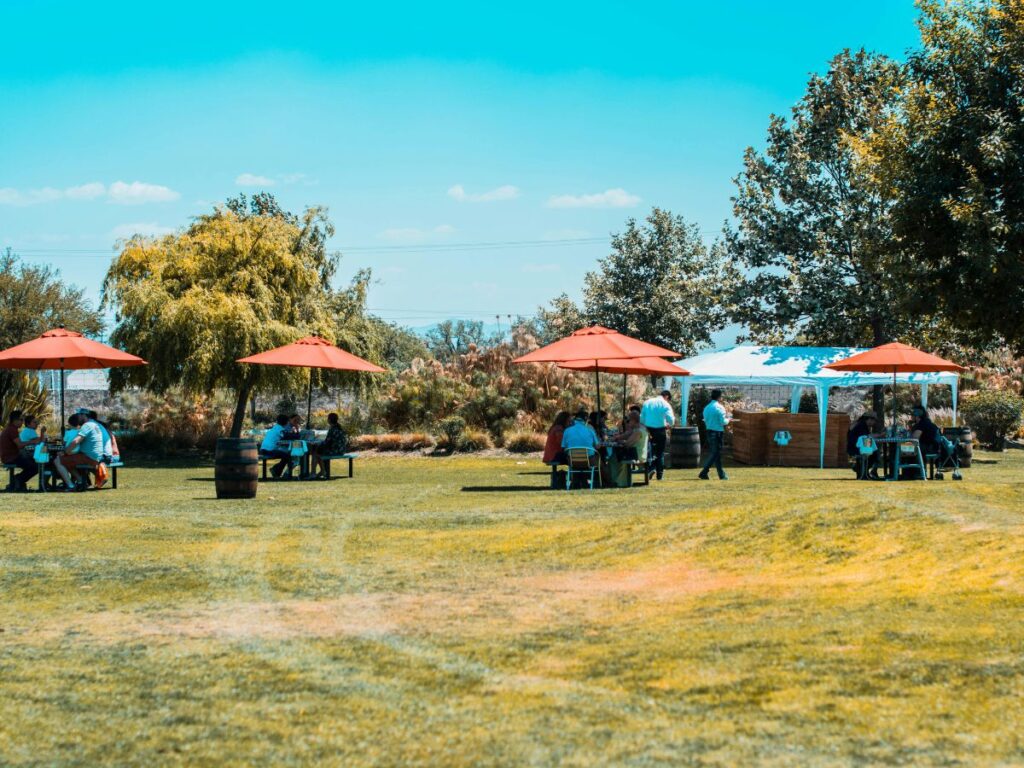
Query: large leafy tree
{"points": [[243, 279], [953, 160], [813, 236], [451, 338], [660, 283], [33, 299]]}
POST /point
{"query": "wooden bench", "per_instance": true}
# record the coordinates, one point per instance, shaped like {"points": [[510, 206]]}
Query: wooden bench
{"points": [[351, 457], [45, 473]]}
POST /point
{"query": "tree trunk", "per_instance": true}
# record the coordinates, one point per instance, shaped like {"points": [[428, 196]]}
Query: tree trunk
{"points": [[878, 391], [244, 391]]}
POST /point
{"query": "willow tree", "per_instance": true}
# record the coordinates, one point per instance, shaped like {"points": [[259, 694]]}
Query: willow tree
{"points": [[240, 280]]}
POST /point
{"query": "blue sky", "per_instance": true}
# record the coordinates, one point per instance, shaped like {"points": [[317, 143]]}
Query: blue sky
{"points": [[425, 128]]}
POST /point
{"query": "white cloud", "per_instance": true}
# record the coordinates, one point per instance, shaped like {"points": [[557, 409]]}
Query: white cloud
{"points": [[504, 192], [89, 191], [118, 192], [139, 192], [252, 180], [148, 228], [408, 235], [610, 198]]}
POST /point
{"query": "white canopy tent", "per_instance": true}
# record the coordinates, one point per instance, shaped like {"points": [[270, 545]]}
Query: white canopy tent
{"points": [[795, 367]]}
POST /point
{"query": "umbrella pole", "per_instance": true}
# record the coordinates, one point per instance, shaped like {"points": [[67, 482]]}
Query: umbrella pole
{"points": [[309, 398], [894, 401], [623, 398], [62, 401], [597, 380]]}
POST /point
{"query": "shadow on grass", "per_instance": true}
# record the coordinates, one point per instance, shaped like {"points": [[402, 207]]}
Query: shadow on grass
{"points": [[500, 488], [544, 474]]}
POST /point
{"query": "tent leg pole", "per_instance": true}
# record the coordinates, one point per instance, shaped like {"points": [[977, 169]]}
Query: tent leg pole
{"points": [[62, 402], [623, 398]]}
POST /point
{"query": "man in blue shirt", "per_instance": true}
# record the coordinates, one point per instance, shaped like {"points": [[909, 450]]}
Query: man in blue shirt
{"points": [[271, 449], [715, 420], [656, 415], [579, 434]]}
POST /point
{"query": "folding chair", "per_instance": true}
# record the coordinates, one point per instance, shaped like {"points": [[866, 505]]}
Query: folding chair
{"points": [[866, 448], [579, 464]]}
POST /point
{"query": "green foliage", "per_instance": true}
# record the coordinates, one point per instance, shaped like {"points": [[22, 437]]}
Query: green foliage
{"points": [[660, 283], [451, 338], [246, 278], [951, 161], [473, 440], [33, 300], [26, 393], [814, 236], [451, 429], [993, 414]]}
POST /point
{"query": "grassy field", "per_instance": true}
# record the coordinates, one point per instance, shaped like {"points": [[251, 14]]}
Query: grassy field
{"points": [[452, 611]]}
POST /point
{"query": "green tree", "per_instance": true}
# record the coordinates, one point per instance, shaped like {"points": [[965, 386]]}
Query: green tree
{"points": [[660, 283], [33, 299], [240, 280], [813, 237], [451, 338], [953, 159]]}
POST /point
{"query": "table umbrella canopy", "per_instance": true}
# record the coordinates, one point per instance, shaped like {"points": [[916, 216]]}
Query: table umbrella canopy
{"points": [[312, 352], [594, 343], [895, 358], [637, 366], [64, 350], [67, 350]]}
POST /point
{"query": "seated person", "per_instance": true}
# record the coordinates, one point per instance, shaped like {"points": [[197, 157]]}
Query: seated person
{"points": [[863, 427], [629, 446], [82, 454], [293, 429], [270, 447], [11, 452], [553, 453], [925, 431], [579, 434], [598, 422], [334, 444], [110, 449], [31, 433]]}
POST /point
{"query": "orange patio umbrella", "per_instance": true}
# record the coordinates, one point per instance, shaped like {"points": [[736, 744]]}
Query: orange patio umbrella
{"points": [[595, 344], [312, 352], [637, 366], [895, 358], [64, 350]]}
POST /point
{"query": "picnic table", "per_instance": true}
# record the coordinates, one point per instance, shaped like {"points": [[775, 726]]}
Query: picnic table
{"points": [[893, 449]]}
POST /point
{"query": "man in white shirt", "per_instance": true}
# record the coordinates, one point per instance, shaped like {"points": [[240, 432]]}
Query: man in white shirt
{"points": [[715, 419], [656, 415]]}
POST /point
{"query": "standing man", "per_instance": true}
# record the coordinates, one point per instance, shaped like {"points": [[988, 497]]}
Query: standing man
{"points": [[714, 422], [656, 415]]}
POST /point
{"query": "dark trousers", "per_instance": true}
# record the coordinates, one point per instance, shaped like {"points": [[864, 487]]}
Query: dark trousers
{"points": [[28, 469], [715, 440], [285, 461], [656, 450]]}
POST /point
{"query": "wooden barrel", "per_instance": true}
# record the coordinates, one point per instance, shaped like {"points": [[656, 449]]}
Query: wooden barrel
{"points": [[236, 468], [684, 448], [963, 438]]}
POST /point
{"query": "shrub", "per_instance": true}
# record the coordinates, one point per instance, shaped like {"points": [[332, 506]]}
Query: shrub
{"points": [[416, 441], [363, 442], [451, 431], [389, 442], [525, 442], [475, 440], [993, 414]]}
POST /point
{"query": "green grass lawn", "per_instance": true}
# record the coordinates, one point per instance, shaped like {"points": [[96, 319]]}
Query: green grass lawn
{"points": [[452, 611]]}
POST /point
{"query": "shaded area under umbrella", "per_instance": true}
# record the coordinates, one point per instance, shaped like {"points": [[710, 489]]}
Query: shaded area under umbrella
{"points": [[313, 352], [595, 344], [637, 366], [64, 350], [895, 358]]}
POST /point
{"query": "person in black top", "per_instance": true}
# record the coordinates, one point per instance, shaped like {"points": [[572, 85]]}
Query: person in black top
{"points": [[925, 431], [864, 426]]}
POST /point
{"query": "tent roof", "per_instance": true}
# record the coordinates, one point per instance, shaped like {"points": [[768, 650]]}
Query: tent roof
{"points": [[791, 366]]}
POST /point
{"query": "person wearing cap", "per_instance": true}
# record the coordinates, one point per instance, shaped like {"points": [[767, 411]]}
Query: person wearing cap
{"points": [[657, 417], [715, 419]]}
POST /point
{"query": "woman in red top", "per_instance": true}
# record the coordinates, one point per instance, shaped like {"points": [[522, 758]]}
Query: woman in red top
{"points": [[553, 446]]}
